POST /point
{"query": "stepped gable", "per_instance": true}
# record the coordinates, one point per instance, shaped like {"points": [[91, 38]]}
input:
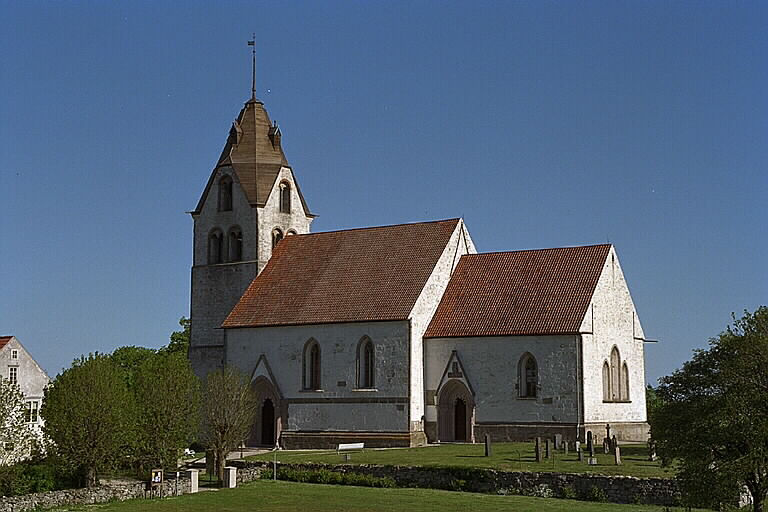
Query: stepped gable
{"points": [[356, 275], [534, 292]]}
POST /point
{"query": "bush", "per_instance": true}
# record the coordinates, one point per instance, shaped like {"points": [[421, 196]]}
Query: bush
{"points": [[325, 476], [30, 477], [596, 494], [569, 493]]}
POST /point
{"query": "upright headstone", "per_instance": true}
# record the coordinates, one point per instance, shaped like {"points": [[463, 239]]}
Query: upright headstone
{"points": [[487, 445], [591, 451], [606, 445], [581, 455], [577, 446], [614, 443], [590, 441], [652, 451], [617, 455], [558, 441], [608, 431], [565, 447], [546, 445], [538, 449]]}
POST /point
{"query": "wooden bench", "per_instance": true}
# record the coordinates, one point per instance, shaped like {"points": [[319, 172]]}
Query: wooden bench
{"points": [[346, 449]]}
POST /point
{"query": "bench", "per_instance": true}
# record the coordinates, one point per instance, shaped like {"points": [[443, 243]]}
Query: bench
{"points": [[345, 449]]}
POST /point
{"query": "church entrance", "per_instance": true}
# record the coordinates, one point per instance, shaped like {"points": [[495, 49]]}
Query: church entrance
{"points": [[460, 420], [268, 423], [455, 413]]}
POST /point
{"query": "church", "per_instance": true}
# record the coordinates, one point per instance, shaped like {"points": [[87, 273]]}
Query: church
{"points": [[401, 335]]}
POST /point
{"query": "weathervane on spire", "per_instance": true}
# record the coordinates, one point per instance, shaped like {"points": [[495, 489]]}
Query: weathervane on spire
{"points": [[252, 44]]}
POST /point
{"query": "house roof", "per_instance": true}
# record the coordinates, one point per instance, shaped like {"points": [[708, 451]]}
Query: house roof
{"points": [[254, 150], [545, 291], [356, 275], [4, 340]]}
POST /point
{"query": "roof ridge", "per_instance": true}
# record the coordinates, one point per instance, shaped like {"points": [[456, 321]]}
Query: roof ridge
{"points": [[378, 227], [540, 249]]}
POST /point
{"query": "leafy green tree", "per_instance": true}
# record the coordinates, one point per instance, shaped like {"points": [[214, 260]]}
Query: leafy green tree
{"points": [[179, 342], [229, 408], [16, 438], [89, 416], [168, 398], [129, 359], [713, 416]]}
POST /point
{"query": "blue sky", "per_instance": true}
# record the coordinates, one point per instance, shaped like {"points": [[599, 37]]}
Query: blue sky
{"points": [[543, 124]]}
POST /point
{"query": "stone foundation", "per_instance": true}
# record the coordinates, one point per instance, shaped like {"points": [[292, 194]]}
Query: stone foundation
{"points": [[292, 440], [629, 431], [525, 432]]}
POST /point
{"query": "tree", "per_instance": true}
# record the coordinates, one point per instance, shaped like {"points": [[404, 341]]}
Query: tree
{"points": [[229, 408], [88, 412], [179, 341], [712, 418], [16, 438], [129, 359], [168, 398]]}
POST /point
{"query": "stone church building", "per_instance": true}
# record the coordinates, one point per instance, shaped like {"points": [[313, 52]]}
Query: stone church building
{"points": [[405, 334]]}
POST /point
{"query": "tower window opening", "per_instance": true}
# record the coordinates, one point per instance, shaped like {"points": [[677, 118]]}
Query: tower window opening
{"points": [[225, 194], [285, 197]]}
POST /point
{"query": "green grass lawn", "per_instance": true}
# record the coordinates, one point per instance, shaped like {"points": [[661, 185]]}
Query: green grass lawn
{"points": [[506, 457], [288, 497]]}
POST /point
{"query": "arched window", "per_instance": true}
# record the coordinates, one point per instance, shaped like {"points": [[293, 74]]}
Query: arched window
{"points": [[225, 194], [215, 248], [366, 364], [528, 376], [606, 382], [615, 374], [311, 370], [290, 232], [285, 197], [235, 244], [277, 235], [624, 382]]}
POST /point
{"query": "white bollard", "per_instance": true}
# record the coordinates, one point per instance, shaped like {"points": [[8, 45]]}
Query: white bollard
{"points": [[192, 474], [230, 477]]}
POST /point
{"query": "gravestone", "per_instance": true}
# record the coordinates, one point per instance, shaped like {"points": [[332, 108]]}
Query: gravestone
{"points": [[565, 447], [606, 445], [652, 451], [546, 445], [617, 455], [614, 443], [538, 449], [581, 455], [591, 451], [487, 445], [558, 441], [577, 446], [608, 431], [590, 441]]}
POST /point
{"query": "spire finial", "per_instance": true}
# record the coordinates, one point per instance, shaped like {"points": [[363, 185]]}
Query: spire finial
{"points": [[252, 44]]}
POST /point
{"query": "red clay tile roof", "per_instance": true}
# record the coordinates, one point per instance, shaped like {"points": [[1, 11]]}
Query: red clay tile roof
{"points": [[545, 291], [4, 340], [355, 275]]}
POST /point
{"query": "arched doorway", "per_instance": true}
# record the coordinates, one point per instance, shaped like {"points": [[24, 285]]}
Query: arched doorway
{"points": [[269, 415], [455, 412], [268, 423], [460, 420]]}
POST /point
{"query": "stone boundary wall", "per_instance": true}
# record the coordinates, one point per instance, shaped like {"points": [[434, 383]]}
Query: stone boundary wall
{"points": [[100, 494], [617, 489]]}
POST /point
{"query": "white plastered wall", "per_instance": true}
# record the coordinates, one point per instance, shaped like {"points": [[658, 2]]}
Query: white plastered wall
{"points": [[612, 321], [339, 406], [491, 367], [270, 216], [421, 315]]}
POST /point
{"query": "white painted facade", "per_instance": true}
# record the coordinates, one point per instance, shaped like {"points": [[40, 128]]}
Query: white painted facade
{"points": [[18, 365]]}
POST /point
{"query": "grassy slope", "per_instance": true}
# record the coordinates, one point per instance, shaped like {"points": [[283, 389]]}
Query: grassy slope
{"points": [[506, 456], [289, 497]]}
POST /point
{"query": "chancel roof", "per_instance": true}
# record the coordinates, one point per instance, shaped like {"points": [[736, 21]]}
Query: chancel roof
{"points": [[254, 150], [356, 275], [545, 291]]}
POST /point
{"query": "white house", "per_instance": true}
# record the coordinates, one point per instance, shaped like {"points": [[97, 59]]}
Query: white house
{"points": [[19, 367]]}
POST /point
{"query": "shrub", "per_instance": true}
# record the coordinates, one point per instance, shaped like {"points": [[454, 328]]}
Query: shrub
{"points": [[325, 476], [596, 494], [568, 493]]}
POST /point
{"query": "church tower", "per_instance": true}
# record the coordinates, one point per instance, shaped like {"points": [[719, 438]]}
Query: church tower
{"points": [[251, 201]]}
